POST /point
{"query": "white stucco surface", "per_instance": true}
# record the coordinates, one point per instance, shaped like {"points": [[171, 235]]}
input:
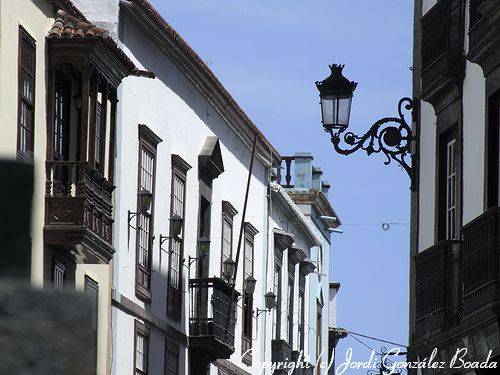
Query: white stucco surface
{"points": [[427, 188], [474, 142]]}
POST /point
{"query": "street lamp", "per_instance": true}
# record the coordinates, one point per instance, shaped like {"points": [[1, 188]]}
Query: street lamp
{"points": [[228, 269], [145, 198], [336, 96], [176, 225], [269, 301], [250, 285], [390, 135]]}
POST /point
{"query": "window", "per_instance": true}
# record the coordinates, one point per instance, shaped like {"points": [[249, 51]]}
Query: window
{"points": [[141, 349], [204, 218], [171, 359], [61, 117], [145, 220], [278, 259], [26, 95], [144, 238], [248, 299], [289, 303], [228, 213], [301, 319], [58, 274], [318, 330], [99, 134], [451, 180], [177, 207], [91, 289], [227, 239], [448, 186]]}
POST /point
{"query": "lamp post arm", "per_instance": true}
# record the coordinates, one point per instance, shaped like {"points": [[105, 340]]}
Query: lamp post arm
{"points": [[392, 136]]}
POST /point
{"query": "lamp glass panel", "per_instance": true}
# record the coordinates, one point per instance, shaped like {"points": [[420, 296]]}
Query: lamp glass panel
{"points": [[344, 111], [328, 110]]}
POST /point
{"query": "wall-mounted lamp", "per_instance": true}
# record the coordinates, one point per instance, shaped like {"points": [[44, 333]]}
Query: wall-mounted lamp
{"points": [[203, 250], [77, 100], [270, 302], [249, 286], [176, 223], [228, 267], [145, 197]]}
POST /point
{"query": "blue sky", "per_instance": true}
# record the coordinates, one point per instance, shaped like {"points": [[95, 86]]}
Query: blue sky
{"points": [[268, 54]]}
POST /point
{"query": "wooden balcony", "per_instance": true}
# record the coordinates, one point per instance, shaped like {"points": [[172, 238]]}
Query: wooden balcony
{"points": [[480, 268], [209, 339], [443, 64], [436, 288], [78, 211], [281, 354], [484, 41]]}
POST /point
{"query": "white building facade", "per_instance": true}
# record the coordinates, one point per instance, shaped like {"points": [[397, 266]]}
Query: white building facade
{"points": [[141, 162]]}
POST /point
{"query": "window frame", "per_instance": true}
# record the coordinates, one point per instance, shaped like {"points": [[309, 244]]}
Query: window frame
{"points": [[228, 213], [174, 294], [319, 328], [142, 330], [247, 310], [148, 142], [25, 40], [172, 348], [445, 232], [89, 286], [290, 301], [57, 261]]}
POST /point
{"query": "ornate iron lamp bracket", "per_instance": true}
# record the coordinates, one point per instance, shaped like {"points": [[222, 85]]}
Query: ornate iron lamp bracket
{"points": [[390, 135], [387, 366]]}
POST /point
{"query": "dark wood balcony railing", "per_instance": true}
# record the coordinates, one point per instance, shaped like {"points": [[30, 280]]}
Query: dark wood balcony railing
{"points": [[478, 26], [436, 288], [442, 46], [209, 302], [480, 269], [78, 205], [281, 353]]}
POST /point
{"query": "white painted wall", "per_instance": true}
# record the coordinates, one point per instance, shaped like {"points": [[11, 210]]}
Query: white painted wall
{"points": [[474, 97], [427, 187], [36, 17], [175, 110], [427, 5]]}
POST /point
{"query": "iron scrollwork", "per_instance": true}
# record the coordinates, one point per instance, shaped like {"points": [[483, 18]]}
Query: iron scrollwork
{"points": [[390, 135], [387, 366]]}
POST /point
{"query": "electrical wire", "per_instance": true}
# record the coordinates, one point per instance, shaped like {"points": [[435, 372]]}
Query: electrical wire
{"points": [[363, 343], [377, 339]]}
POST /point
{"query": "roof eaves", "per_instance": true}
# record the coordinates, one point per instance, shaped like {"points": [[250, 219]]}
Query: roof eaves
{"points": [[184, 47]]}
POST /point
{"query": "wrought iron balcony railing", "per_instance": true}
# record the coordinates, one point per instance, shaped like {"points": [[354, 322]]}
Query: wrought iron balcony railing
{"points": [[209, 331], [79, 207]]}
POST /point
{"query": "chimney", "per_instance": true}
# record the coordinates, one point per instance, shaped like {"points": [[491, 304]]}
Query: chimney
{"points": [[303, 170], [325, 187], [316, 178]]}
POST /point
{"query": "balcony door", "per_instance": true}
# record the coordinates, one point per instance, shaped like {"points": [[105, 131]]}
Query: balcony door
{"points": [[62, 113], [493, 151]]}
